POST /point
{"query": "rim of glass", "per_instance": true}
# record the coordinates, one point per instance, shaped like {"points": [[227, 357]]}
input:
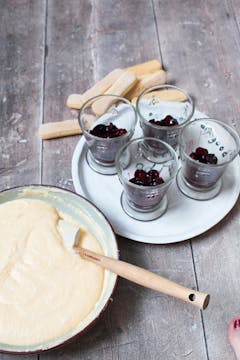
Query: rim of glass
{"points": [[231, 130], [119, 171], [190, 99], [126, 101]]}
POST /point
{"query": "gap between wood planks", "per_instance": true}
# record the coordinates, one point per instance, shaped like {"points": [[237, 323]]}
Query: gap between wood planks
{"points": [[41, 115], [190, 242]]}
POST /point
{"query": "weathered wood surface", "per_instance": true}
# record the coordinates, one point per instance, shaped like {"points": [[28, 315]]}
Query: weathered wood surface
{"points": [[207, 64], [138, 322], [21, 57], [63, 47], [22, 26]]}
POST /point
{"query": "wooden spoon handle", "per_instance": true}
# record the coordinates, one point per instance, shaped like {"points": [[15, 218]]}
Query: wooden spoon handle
{"points": [[146, 278]]}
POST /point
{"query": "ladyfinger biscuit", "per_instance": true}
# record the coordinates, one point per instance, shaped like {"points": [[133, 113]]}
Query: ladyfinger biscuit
{"points": [[146, 67], [75, 101], [120, 87], [58, 129], [165, 95], [157, 78]]}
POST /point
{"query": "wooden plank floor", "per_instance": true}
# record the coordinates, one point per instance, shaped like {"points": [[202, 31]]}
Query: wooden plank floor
{"points": [[49, 49]]}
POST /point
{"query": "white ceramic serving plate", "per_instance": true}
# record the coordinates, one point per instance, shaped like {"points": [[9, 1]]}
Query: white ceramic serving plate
{"points": [[184, 219], [86, 214]]}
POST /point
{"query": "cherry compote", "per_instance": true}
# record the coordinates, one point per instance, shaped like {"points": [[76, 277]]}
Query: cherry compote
{"points": [[167, 121], [107, 131], [202, 155], [147, 178]]}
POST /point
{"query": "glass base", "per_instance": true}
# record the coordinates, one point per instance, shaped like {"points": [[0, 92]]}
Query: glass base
{"points": [[99, 168], [144, 215], [196, 193]]}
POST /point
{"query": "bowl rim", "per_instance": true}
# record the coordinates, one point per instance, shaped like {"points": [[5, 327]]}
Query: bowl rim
{"points": [[109, 300]]}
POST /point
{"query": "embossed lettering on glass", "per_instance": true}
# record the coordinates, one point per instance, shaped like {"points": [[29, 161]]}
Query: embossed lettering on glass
{"points": [[207, 147]]}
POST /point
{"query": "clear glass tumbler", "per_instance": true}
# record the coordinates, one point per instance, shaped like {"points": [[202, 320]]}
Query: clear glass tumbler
{"points": [[163, 111], [146, 168], [107, 123], [207, 147]]}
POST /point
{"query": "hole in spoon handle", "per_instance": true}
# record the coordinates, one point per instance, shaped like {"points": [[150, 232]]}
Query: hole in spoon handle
{"points": [[192, 297]]}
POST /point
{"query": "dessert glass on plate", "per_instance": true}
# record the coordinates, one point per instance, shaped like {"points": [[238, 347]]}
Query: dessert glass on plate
{"points": [[146, 168], [163, 111], [207, 147], [107, 123]]}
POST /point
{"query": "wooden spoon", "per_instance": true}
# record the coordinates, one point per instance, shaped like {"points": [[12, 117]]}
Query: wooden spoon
{"points": [[71, 235], [145, 278]]}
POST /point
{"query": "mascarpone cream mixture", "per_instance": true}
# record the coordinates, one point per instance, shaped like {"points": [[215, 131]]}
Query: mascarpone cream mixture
{"points": [[45, 290]]}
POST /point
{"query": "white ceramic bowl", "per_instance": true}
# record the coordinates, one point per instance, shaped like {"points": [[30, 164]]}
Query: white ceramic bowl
{"points": [[84, 211]]}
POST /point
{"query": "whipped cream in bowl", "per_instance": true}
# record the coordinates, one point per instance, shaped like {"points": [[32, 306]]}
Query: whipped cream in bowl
{"points": [[49, 294]]}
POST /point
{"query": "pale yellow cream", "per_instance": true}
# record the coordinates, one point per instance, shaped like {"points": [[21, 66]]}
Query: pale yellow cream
{"points": [[45, 290]]}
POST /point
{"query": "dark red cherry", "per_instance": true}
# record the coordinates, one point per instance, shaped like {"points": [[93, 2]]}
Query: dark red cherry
{"points": [[153, 173], [147, 180], [193, 156], [202, 159], [136, 181], [98, 130], [201, 154], [211, 159], [167, 121], [157, 181], [150, 178], [140, 174], [153, 121], [107, 131], [201, 151], [120, 132]]}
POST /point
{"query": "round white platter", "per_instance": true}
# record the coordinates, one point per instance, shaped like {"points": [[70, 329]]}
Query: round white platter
{"points": [[185, 218]]}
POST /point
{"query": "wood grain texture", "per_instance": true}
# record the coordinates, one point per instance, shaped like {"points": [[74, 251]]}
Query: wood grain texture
{"points": [[200, 46], [140, 323], [208, 66], [119, 35], [69, 66], [21, 56], [22, 26]]}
